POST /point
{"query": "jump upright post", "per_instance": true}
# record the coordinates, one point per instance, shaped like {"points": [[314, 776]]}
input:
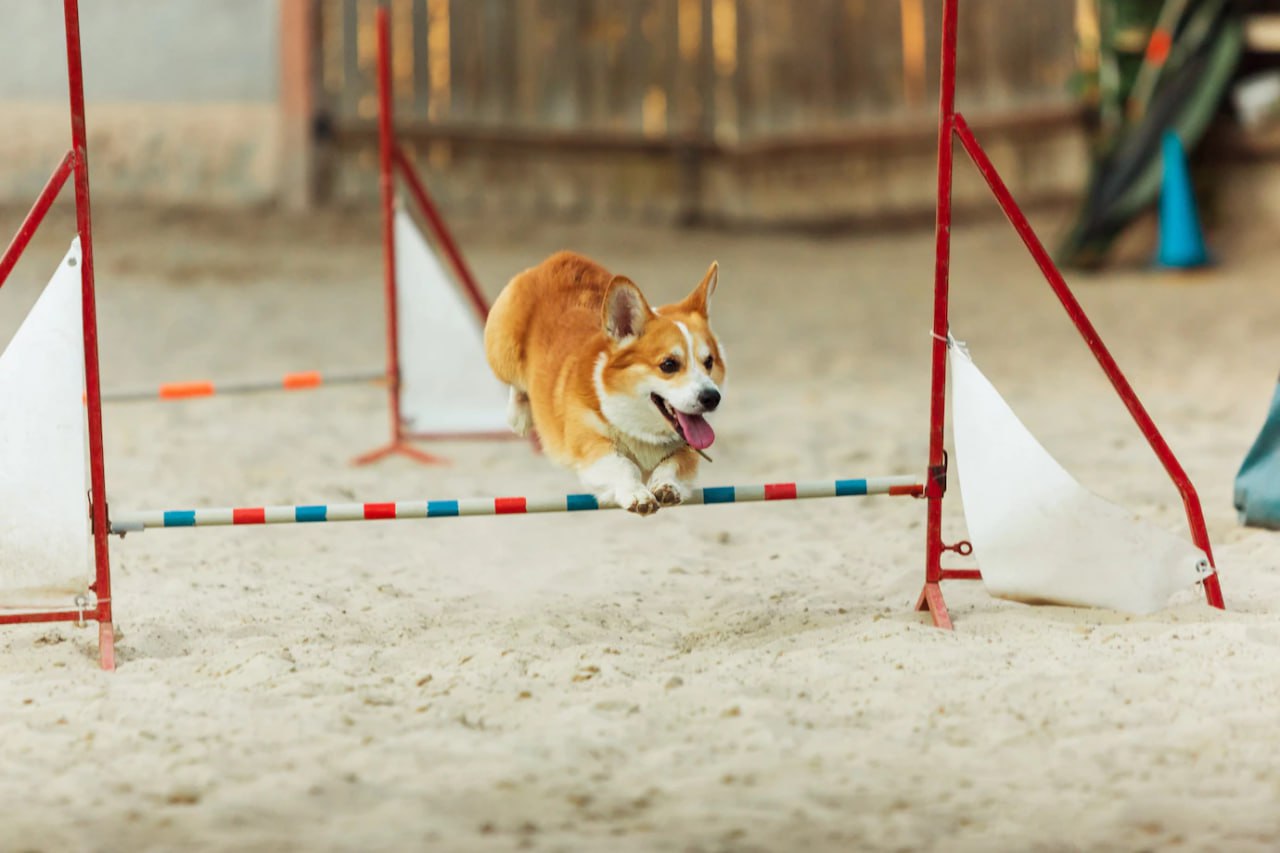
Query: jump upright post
{"points": [[393, 162], [76, 162], [387, 197], [953, 127]]}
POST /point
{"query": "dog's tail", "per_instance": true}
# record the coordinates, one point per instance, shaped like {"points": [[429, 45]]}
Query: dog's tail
{"points": [[504, 334]]}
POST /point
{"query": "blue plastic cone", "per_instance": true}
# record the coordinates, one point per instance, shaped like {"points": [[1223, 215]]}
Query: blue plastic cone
{"points": [[1181, 239]]}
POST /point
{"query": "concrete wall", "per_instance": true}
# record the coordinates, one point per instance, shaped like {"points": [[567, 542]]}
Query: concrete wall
{"points": [[182, 98]]}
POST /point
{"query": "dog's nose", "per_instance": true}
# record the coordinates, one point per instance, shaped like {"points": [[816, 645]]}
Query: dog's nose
{"points": [[709, 399]]}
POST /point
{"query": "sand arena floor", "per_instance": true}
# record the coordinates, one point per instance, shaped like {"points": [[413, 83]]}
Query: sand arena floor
{"points": [[718, 678]]}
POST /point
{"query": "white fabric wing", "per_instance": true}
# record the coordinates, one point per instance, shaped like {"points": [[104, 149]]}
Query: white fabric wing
{"points": [[45, 555], [1037, 534], [446, 384]]}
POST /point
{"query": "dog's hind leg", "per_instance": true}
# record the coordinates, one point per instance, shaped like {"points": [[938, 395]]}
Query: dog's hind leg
{"points": [[519, 415]]}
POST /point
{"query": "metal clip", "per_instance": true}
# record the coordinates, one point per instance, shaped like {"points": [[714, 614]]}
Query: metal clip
{"points": [[93, 527], [937, 486]]}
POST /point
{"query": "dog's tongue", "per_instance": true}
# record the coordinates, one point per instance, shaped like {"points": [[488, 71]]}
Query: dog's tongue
{"points": [[696, 430]]}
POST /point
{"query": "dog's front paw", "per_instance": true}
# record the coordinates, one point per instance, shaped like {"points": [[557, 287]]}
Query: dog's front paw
{"points": [[640, 501], [671, 493]]}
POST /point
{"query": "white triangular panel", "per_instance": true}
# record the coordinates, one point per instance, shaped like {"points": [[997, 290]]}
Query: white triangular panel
{"points": [[446, 385], [45, 555], [1037, 534]]}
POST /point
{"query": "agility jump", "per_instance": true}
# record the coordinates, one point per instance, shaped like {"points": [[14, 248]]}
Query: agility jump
{"points": [[432, 318], [1063, 531]]}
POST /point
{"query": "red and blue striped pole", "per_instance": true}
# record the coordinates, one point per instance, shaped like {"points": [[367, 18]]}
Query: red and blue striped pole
{"points": [[401, 510]]}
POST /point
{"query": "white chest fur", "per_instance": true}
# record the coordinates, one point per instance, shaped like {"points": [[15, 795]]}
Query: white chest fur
{"points": [[645, 454]]}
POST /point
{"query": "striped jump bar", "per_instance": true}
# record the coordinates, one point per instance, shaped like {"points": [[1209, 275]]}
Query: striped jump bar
{"points": [[301, 381], [137, 521]]}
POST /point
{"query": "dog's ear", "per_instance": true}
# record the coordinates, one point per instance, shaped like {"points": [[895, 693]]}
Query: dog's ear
{"points": [[698, 301], [625, 310]]}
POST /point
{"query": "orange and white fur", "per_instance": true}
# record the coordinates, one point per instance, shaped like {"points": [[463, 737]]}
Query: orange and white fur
{"points": [[615, 389]]}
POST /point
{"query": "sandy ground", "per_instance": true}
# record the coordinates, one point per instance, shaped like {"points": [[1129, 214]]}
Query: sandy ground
{"points": [[718, 678]]}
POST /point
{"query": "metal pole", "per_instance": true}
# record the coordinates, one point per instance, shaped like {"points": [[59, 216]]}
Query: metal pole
{"points": [[386, 182], [442, 234], [302, 381], [36, 215], [125, 523], [936, 483], [93, 391]]}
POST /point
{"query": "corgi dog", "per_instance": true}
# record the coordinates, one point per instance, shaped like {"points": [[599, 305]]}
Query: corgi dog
{"points": [[616, 390]]}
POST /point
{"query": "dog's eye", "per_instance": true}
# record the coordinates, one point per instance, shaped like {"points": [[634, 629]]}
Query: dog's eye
{"points": [[669, 366], [709, 363]]}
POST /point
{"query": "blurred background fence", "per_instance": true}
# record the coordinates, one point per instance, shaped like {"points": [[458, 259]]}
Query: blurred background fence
{"points": [[730, 110], [684, 71], [739, 111]]}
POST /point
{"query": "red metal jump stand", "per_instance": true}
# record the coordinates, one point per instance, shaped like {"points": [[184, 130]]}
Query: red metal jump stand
{"points": [[386, 181], [952, 126], [393, 161], [77, 162]]}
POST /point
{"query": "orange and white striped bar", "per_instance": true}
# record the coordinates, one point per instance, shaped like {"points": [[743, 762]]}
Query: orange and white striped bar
{"points": [[302, 381], [403, 510]]}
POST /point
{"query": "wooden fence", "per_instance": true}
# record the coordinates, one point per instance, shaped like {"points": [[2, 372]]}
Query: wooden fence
{"points": [[688, 75]]}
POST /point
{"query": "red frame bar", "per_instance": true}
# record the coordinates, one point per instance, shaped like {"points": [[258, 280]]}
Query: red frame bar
{"points": [[952, 125], [89, 613], [78, 161], [387, 190], [441, 231], [936, 482], [35, 216], [93, 383]]}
